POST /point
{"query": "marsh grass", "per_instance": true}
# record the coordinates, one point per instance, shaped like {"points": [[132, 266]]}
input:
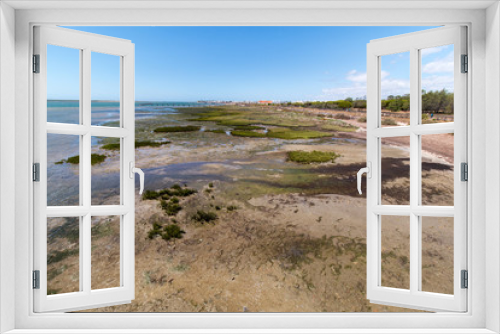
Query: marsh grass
{"points": [[339, 126], [238, 133], [300, 134], [187, 128], [141, 143], [312, 157], [175, 190], [75, 160], [57, 256], [204, 217], [389, 121], [166, 232]]}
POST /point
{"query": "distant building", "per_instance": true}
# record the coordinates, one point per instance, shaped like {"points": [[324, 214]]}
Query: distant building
{"points": [[265, 102]]}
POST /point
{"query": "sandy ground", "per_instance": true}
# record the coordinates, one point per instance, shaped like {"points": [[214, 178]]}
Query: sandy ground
{"points": [[277, 252]]}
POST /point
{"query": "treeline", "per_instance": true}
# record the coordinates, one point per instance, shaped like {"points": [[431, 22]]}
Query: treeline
{"points": [[432, 102]]}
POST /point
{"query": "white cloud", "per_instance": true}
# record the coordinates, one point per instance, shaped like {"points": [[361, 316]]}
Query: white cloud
{"points": [[429, 51], [356, 76], [439, 65], [438, 82], [390, 86]]}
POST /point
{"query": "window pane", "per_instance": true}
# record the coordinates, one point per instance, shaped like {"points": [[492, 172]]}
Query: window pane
{"points": [[105, 91], [105, 252], [395, 171], [437, 254], [105, 162], [63, 255], [438, 169], [437, 84], [395, 239], [395, 89], [63, 170], [63, 85]]}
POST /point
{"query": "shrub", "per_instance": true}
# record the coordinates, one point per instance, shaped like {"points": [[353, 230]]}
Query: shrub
{"points": [[341, 116], [172, 231], [389, 121], [111, 147], [170, 207], [362, 119], [204, 217], [167, 232], [312, 157], [175, 190], [232, 208], [149, 143], [187, 128], [211, 185]]}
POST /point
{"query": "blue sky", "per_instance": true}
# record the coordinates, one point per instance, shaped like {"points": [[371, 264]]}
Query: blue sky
{"points": [[245, 63]]}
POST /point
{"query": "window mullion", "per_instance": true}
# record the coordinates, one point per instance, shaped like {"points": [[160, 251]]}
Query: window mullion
{"points": [[85, 181], [415, 253]]}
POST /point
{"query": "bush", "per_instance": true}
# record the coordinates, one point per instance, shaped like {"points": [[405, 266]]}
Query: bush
{"points": [[211, 185], [170, 207], [341, 116], [312, 157], [167, 232], [187, 128], [175, 190], [389, 121], [232, 208], [362, 119], [204, 217]]}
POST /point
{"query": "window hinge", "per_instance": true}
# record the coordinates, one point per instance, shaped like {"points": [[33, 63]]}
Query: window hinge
{"points": [[36, 279], [36, 172], [465, 64], [464, 171], [465, 279], [36, 63]]}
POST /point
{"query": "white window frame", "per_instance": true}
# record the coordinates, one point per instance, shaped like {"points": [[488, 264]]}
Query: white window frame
{"points": [[86, 44], [484, 45], [413, 43]]}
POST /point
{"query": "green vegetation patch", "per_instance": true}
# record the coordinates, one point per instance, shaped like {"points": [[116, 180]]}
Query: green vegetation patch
{"points": [[389, 121], [171, 207], [298, 134], [339, 126], [238, 133], [249, 127], [304, 157], [142, 143], [362, 119], [204, 217], [57, 256], [216, 131], [175, 190], [166, 232], [75, 160], [187, 128]]}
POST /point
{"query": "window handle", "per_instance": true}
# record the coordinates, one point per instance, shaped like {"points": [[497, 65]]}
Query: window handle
{"points": [[368, 171], [139, 171]]}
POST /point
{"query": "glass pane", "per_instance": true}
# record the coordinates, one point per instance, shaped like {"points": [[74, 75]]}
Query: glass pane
{"points": [[395, 239], [63, 170], [437, 254], [105, 162], [105, 91], [63, 85], [437, 84], [63, 255], [105, 252], [395, 89], [438, 169], [395, 166]]}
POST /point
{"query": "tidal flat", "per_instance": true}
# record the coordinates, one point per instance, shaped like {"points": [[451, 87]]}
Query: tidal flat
{"points": [[259, 232]]}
